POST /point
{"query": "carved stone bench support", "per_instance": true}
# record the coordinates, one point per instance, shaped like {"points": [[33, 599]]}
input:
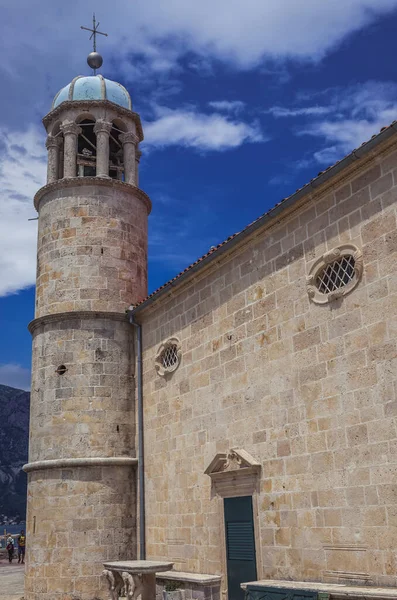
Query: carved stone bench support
{"points": [[136, 578]]}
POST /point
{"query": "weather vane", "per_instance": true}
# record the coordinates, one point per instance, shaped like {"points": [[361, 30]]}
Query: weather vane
{"points": [[94, 59]]}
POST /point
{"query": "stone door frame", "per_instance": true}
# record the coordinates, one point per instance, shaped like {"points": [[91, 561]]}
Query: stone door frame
{"points": [[233, 474]]}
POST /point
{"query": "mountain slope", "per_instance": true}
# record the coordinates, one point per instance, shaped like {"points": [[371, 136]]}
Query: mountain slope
{"points": [[14, 439]]}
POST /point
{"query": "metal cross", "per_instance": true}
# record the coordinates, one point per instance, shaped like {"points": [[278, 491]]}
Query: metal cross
{"points": [[94, 31]]}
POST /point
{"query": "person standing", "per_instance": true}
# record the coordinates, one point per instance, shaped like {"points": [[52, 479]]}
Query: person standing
{"points": [[21, 547], [10, 548]]}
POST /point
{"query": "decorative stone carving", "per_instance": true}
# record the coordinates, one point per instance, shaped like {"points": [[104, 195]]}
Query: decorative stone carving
{"points": [[332, 256], [123, 584], [234, 473], [70, 128], [115, 583], [129, 137], [168, 357], [233, 461], [134, 579], [133, 586], [53, 142], [102, 126]]}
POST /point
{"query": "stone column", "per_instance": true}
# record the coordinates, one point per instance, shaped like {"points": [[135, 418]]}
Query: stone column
{"points": [[137, 160], [53, 145], [102, 130], [129, 141], [148, 586], [70, 132]]}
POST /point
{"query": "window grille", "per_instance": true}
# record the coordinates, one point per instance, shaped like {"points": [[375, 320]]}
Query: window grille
{"points": [[170, 357], [336, 275]]}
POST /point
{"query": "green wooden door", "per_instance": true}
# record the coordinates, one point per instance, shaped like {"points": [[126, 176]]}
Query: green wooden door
{"points": [[240, 544]]}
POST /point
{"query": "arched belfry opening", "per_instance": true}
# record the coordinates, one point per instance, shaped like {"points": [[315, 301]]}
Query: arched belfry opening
{"points": [[86, 149], [116, 151]]}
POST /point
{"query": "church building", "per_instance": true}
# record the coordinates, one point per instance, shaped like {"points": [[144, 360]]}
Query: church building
{"points": [[240, 421]]}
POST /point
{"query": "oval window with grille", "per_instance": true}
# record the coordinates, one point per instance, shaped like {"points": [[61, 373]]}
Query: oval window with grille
{"points": [[168, 357], [335, 274]]}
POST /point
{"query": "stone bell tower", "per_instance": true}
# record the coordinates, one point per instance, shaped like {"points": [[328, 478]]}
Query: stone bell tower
{"points": [[91, 265]]}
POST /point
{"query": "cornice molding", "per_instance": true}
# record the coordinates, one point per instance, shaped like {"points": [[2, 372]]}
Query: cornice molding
{"points": [[78, 314], [234, 473], [69, 182], [67, 463], [87, 104]]}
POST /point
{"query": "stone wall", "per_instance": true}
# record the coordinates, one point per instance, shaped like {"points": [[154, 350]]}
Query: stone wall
{"points": [[92, 246], [80, 515], [89, 411], [308, 390], [92, 253]]}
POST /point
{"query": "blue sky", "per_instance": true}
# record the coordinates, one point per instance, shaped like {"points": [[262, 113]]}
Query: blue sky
{"points": [[242, 103]]}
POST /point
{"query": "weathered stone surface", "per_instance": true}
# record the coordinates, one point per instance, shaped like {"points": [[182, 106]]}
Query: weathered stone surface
{"points": [[92, 264], [92, 250], [308, 390]]}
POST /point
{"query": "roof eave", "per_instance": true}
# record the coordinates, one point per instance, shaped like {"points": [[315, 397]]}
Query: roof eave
{"points": [[331, 172]]}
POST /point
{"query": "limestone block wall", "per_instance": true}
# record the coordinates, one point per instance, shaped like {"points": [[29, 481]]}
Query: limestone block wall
{"points": [[92, 246], [78, 518], [308, 390], [80, 515], [92, 252], [88, 411]]}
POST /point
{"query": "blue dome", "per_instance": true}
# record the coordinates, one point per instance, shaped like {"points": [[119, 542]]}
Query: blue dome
{"points": [[94, 87]]}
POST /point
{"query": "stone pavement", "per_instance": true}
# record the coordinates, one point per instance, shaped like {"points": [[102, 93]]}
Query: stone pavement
{"points": [[11, 580]]}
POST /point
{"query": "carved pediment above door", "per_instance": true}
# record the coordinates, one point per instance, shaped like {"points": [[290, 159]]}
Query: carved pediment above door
{"points": [[235, 473]]}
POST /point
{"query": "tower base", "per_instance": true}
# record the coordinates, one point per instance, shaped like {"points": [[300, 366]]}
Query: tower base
{"points": [[78, 518]]}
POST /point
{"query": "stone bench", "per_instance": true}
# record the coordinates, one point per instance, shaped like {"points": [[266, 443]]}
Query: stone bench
{"points": [[190, 586]]}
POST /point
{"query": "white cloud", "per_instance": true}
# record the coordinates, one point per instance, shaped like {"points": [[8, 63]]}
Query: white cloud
{"points": [[346, 133], [352, 116], [15, 376], [152, 36], [228, 106], [199, 131], [356, 114], [22, 173], [242, 33], [281, 111], [23, 160]]}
